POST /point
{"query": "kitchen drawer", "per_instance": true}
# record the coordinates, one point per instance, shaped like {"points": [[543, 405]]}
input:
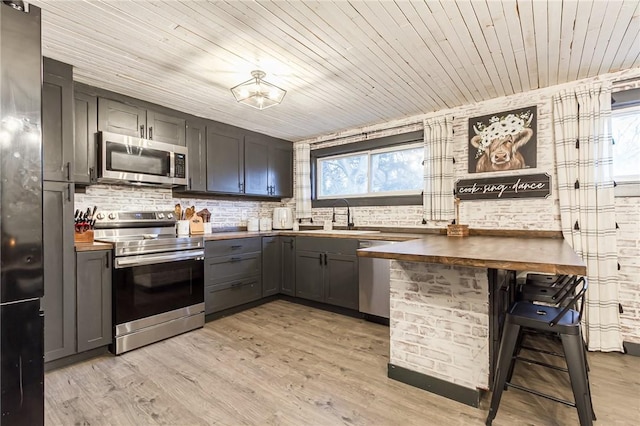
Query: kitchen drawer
{"points": [[236, 293], [227, 268], [235, 246], [328, 245]]}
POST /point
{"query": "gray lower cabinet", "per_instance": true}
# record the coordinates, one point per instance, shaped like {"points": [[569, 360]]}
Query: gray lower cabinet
{"points": [[288, 262], [93, 299], [59, 300], [271, 266], [233, 273], [327, 271]]}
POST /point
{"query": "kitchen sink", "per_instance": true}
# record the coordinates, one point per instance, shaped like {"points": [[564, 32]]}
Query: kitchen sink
{"points": [[338, 231]]}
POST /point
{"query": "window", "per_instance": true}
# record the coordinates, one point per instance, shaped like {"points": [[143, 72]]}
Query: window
{"points": [[625, 130], [374, 173]]}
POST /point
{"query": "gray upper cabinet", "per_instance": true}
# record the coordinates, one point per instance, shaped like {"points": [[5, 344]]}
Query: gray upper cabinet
{"points": [[281, 171], [57, 121], [256, 165], [165, 128], [122, 118], [85, 143], [59, 300], [197, 157], [134, 120], [225, 161], [267, 166], [93, 295]]}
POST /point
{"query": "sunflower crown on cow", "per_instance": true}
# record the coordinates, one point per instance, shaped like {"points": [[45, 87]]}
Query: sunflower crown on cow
{"points": [[497, 144]]}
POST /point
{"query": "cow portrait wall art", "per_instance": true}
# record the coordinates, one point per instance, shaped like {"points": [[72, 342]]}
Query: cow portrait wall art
{"points": [[503, 141]]}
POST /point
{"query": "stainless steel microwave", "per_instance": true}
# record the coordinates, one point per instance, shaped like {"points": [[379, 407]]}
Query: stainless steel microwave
{"points": [[131, 160]]}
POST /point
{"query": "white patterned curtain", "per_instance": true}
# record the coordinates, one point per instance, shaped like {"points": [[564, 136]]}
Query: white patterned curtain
{"points": [[302, 193], [437, 198], [583, 144]]}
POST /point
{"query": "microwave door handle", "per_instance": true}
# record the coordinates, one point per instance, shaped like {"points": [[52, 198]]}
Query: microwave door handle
{"points": [[172, 164], [158, 258]]}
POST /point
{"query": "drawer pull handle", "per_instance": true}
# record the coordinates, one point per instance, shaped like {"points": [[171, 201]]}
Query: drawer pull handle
{"points": [[235, 259], [236, 247], [236, 285]]}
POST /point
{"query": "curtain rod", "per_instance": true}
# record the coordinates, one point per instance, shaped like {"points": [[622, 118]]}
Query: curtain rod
{"points": [[626, 80], [366, 133]]}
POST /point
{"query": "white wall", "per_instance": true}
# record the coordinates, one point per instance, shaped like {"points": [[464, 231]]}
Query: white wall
{"points": [[532, 214]]}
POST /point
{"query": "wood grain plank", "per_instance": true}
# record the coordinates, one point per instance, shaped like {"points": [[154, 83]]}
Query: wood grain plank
{"points": [[486, 23], [535, 254], [569, 10], [525, 11], [289, 364], [542, 42], [514, 25], [555, 11], [609, 24], [624, 25]]}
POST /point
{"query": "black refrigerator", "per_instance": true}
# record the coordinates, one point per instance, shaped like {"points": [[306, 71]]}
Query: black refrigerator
{"points": [[21, 274]]}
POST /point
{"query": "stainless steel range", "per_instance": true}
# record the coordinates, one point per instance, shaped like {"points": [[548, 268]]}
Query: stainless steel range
{"points": [[158, 278]]}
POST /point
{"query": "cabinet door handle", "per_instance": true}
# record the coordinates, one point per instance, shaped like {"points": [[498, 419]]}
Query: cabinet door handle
{"points": [[325, 258], [68, 166], [106, 256], [142, 131], [320, 258], [189, 183], [150, 133], [69, 192]]}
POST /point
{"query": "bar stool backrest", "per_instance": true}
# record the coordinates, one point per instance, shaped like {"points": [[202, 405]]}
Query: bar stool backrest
{"points": [[572, 297]]}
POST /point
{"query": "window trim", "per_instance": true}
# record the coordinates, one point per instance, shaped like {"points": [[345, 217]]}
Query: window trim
{"points": [[627, 186], [409, 138]]}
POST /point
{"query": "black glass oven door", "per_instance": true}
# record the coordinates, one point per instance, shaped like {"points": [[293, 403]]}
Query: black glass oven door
{"points": [[146, 290]]}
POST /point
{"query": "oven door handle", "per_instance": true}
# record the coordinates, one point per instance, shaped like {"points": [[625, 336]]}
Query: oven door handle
{"points": [[130, 261]]}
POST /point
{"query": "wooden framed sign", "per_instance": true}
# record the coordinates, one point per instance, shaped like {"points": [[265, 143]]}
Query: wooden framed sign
{"points": [[499, 188]]}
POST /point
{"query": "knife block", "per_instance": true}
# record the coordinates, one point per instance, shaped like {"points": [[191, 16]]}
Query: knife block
{"points": [[83, 237]]}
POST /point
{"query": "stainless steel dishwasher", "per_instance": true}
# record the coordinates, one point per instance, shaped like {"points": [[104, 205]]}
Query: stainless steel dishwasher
{"points": [[373, 277]]}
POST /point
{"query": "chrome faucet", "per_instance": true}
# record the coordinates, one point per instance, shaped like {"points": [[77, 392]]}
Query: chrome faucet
{"points": [[350, 224]]}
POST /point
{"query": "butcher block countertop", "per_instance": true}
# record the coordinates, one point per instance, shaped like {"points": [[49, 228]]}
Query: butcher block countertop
{"points": [[93, 246], [545, 255]]}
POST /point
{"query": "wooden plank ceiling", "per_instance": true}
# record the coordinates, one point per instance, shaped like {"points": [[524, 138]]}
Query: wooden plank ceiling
{"points": [[344, 64]]}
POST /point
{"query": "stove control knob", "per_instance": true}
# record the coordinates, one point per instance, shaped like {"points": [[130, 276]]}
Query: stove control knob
{"points": [[112, 216], [160, 215], [170, 216], [100, 216]]}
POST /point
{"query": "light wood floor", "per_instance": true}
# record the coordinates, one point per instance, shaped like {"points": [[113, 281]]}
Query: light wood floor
{"points": [[286, 364]]}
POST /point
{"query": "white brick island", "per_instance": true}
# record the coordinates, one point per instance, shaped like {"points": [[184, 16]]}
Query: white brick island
{"points": [[442, 330]]}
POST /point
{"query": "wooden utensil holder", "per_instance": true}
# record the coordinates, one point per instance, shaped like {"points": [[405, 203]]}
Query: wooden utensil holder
{"points": [[196, 227], [457, 230], [83, 237]]}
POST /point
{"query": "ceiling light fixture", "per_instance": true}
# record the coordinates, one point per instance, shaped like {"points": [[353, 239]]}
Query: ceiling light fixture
{"points": [[258, 93]]}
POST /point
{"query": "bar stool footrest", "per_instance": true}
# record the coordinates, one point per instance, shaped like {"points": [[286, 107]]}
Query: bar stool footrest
{"points": [[543, 395], [544, 364]]}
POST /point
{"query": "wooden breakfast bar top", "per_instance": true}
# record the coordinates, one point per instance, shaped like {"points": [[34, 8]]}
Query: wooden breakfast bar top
{"points": [[544, 255]]}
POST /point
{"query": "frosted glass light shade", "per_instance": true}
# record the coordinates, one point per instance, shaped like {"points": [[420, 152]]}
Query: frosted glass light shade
{"points": [[258, 93]]}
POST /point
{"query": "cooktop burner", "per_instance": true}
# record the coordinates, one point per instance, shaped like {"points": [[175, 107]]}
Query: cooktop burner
{"points": [[134, 233]]}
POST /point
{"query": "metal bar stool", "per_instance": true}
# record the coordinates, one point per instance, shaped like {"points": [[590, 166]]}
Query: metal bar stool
{"points": [[560, 319]]}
